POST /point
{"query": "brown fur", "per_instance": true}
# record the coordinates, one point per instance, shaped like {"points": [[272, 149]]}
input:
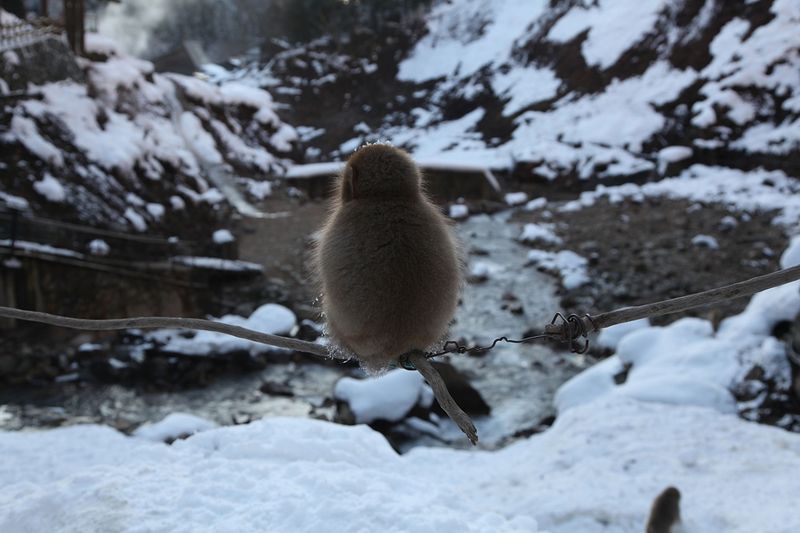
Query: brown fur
{"points": [[666, 511], [387, 260]]}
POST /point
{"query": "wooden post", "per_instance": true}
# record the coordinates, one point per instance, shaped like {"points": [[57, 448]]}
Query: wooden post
{"points": [[74, 15], [44, 10]]}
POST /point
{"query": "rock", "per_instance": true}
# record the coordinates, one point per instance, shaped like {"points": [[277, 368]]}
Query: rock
{"points": [[465, 395]]}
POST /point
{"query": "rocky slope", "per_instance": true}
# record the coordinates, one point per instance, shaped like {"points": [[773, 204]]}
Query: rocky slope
{"points": [[568, 91], [118, 145]]}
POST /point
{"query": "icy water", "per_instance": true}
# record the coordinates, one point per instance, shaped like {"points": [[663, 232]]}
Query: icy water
{"points": [[517, 381]]}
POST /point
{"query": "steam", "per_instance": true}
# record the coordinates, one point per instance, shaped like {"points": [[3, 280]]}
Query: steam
{"points": [[131, 23]]}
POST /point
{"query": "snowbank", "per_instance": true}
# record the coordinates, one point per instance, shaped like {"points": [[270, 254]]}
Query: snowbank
{"points": [[596, 470], [173, 426], [269, 318], [387, 397]]}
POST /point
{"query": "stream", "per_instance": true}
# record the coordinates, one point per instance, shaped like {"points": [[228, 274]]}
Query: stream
{"points": [[518, 381]]}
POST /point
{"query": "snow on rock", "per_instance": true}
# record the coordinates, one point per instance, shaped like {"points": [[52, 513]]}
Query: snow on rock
{"points": [[458, 211], [200, 141], [705, 241], [672, 154], [50, 188], [173, 427], [388, 397], [127, 127], [94, 43], [536, 203], [26, 131], [269, 318], [614, 27], [217, 263], [609, 337], [40, 248], [687, 362], [99, 247], [14, 202], [539, 233], [135, 219], [465, 35], [223, 236], [567, 264], [756, 190], [791, 256], [516, 198]]}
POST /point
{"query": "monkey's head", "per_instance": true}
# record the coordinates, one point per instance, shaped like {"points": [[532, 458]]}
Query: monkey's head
{"points": [[378, 171]]}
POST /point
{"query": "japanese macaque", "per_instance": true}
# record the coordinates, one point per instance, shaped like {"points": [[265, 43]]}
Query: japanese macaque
{"points": [[665, 515], [387, 260]]}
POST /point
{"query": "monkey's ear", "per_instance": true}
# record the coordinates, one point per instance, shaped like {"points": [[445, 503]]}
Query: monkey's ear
{"points": [[350, 184]]}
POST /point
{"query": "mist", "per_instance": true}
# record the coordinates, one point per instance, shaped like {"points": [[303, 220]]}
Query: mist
{"points": [[150, 28]]}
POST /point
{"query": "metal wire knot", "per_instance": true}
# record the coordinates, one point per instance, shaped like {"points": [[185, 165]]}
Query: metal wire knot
{"points": [[571, 329]]}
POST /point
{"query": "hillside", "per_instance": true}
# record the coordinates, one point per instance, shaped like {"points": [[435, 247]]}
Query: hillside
{"points": [[119, 145], [565, 90]]}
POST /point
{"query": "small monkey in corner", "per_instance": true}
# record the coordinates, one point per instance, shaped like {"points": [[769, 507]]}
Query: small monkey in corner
{"points": [[387, 260], [665, 514]]}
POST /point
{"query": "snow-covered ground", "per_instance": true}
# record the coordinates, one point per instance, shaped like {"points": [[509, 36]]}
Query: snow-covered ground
{"points": [[615, 445], [613, 448]]}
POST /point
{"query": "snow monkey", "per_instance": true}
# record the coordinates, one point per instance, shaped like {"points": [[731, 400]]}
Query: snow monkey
{"points": [[665, 513], [387, 260]]}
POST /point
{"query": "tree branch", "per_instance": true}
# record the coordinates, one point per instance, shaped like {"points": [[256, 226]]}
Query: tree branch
{"points": [[456, 414]]}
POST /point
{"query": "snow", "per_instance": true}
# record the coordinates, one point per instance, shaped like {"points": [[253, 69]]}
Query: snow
{"points": [[609, 337], [388, 397], [135, 219], [458, 211], [465, 35], [524, 86], [269, 318], [614, 27], [50, 188], [687, 362], [312, 170], [217, 263], [40, 248], [223, 236], [172, 427], [99, 247], [754, 191], [533, 233], [516, 198], [238, 150], [201, 142], [94, 43], [14, 202], [674, 154], [597, 469], [26, 131], [258, 189], [612, 448], [791, 257], [567, 264], [536, 203], [705, 241]]}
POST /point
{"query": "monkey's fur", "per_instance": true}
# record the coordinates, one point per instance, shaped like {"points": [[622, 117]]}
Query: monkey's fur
{"points": [[665, 512], [387, 260]]}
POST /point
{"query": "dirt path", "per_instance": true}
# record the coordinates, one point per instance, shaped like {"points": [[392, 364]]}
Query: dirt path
{"points": [[282, 244]]}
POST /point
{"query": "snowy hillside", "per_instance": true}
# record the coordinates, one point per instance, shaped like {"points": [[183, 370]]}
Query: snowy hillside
{"points": [[134, 149], [571, 90], [599, 90]]}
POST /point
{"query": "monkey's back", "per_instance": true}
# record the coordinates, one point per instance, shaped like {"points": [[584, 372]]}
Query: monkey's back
{"points": [[390, 272]]}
